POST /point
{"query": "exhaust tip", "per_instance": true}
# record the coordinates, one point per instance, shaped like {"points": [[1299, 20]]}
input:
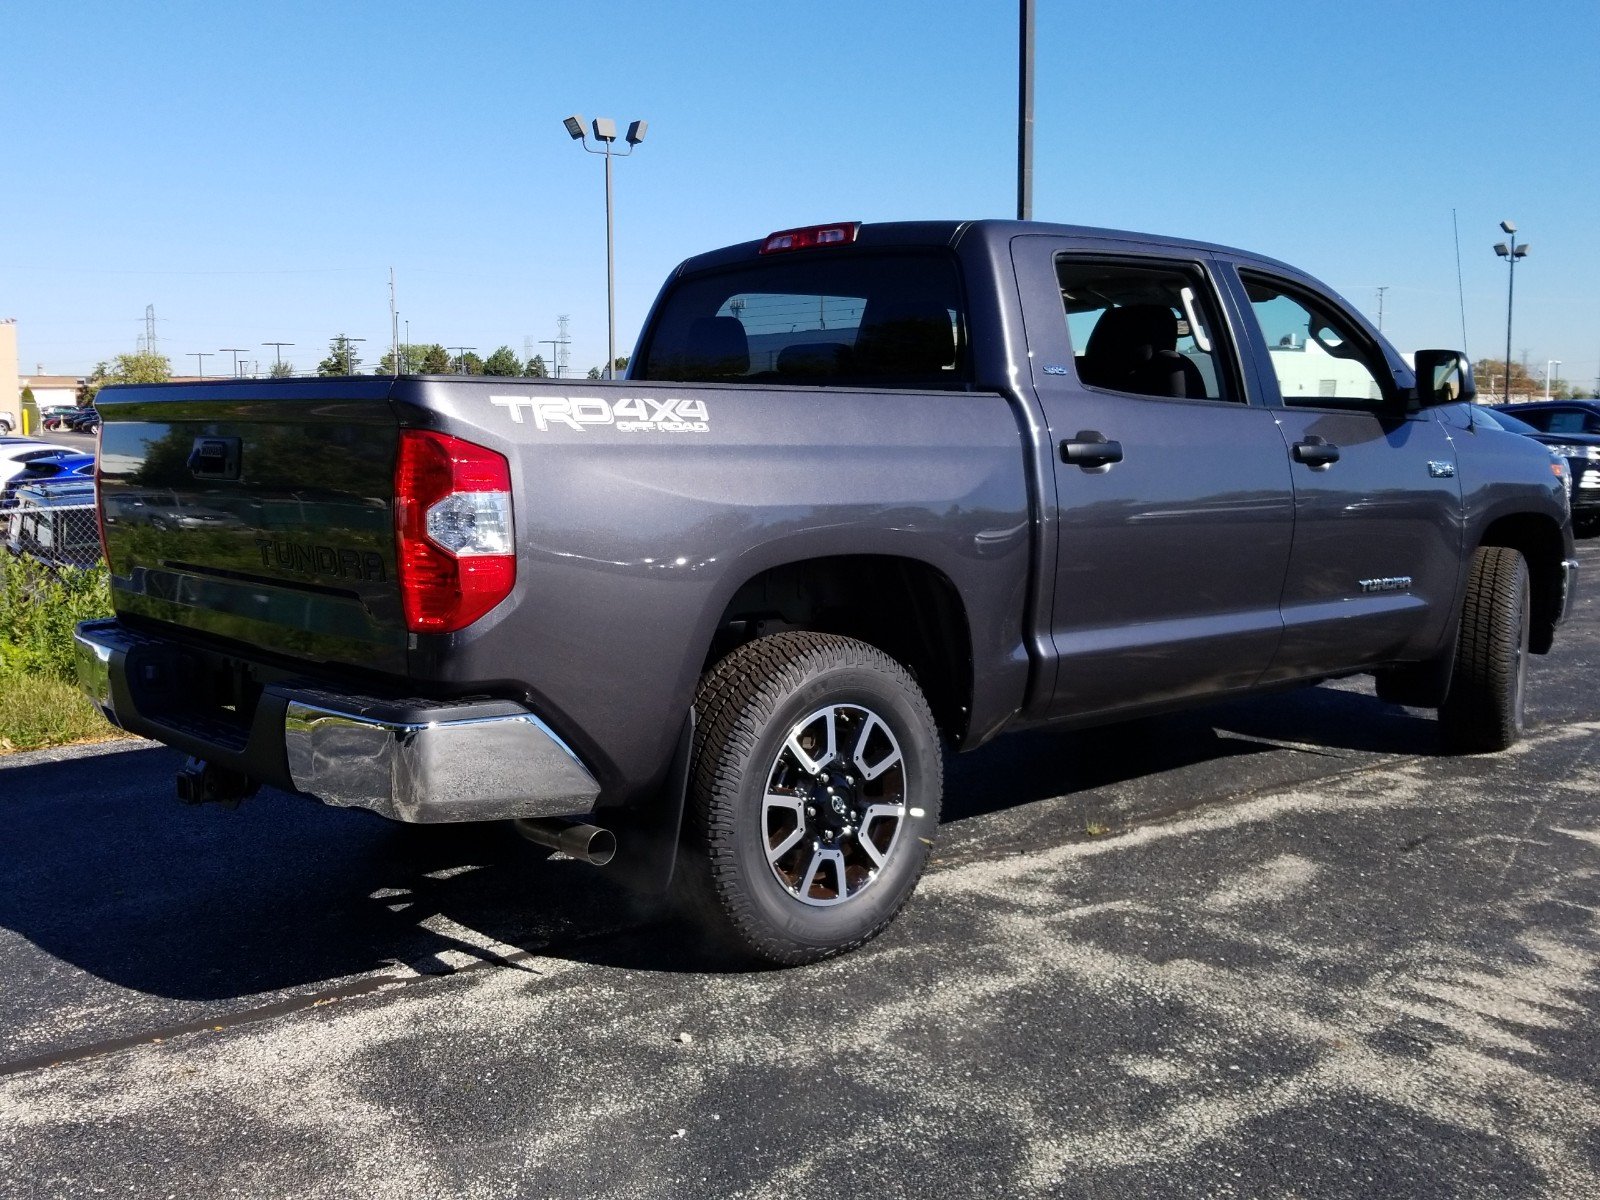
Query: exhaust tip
{"points": [[592, 844]]}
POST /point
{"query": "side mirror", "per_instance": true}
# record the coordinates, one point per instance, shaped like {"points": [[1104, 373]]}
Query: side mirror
{"points": [[1444, 377]]}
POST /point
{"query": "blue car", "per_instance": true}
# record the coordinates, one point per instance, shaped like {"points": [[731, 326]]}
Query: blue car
{"points": [[65, 465], [1571, 428]]}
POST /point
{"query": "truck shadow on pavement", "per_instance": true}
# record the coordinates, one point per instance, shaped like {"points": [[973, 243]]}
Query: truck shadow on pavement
{"points": [[103, 869]]}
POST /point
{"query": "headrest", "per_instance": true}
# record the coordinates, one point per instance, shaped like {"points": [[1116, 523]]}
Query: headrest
{"points": [[1133, 333]]}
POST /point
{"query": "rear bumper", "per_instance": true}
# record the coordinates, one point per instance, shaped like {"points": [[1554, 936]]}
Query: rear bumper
{"points": [[408, 759]]}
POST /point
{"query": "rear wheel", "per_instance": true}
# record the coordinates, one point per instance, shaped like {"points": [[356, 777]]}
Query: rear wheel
{"points": [[814, 796], [1483, 711]]}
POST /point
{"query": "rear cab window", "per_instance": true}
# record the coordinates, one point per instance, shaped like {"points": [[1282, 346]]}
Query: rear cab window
{"points": [[843, 319]]}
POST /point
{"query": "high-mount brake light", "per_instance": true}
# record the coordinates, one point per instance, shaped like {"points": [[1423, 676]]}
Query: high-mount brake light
{"points": [[841, 234], [453, 531]]}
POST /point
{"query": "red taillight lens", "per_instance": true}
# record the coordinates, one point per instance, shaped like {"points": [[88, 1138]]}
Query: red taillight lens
{"points": [[812, 235], [453, 530], [100, 499]]}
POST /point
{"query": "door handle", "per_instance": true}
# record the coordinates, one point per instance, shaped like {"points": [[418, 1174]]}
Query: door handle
{"points": [[1316, 453], [1090, 450]]}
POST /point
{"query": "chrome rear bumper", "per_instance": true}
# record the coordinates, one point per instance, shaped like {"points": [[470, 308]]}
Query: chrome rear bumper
{"points": [[409, 759]]}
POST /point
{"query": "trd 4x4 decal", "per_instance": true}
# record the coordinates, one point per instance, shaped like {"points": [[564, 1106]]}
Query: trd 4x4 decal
{"points": [[632, 414]]}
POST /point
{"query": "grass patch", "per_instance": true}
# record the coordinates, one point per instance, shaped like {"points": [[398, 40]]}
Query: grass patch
{"points": [[37, 711], [40, 704]]}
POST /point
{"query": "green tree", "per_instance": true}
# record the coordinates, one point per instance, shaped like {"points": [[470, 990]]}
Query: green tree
{"points": [[281, 370], [594, 373], [412, 357], [434, 360], [342, 358], [536, 368], [142, 367], [502, 362], [469, 364]]}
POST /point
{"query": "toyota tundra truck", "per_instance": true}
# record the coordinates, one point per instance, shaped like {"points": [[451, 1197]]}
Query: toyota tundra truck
{"points": [[871, 493]]}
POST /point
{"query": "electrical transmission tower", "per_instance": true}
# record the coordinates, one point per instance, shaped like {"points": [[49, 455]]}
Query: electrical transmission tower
{"points": [[563, 341], [147, 342]]}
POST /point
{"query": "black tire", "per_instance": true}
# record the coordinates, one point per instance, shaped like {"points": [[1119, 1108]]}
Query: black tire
{"points": [[1483, 711], [761, 711]]}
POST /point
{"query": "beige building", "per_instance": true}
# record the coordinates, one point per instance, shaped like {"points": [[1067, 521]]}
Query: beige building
{"points": [[10, 389]]}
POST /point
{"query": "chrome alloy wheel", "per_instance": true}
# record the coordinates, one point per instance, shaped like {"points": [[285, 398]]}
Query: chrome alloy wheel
{"points": [[835, 803]]}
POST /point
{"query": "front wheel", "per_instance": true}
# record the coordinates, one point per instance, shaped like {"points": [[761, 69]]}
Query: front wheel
{"points": [[1483, 710], [814, 796]]}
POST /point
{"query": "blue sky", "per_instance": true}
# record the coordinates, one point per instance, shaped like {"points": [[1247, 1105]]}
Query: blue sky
{"points": [[253, 171]]}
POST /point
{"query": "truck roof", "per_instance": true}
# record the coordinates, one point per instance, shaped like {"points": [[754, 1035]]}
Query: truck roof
{"points": [[993, 232]]}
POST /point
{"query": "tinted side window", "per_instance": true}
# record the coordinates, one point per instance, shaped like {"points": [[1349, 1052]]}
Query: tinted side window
{"points": [[1318, 358], [1568, 421], [820, 317], [1144, 328]]}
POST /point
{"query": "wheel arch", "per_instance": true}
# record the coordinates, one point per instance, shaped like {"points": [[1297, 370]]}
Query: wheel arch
{"points": [[1539, 541], [906, 607]]}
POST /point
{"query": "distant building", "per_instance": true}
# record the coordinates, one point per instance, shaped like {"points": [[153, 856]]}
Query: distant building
{"points": [[10, 389]]}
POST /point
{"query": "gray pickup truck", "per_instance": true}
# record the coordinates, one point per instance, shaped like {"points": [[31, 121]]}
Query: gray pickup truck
{"points": [[870, 491]]}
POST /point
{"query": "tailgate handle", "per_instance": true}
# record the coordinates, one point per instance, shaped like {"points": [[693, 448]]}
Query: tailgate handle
{"points": [[215, 458]]}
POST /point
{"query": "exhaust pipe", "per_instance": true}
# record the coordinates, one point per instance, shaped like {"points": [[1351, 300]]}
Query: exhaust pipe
{"points": [[586, 843]]}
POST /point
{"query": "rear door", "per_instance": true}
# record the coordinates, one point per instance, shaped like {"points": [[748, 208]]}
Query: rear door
{"points": [[1173, 539], [1374, 569]]}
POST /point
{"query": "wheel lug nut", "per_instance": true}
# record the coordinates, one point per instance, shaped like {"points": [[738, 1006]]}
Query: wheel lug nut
{"points": [[810, 811]]}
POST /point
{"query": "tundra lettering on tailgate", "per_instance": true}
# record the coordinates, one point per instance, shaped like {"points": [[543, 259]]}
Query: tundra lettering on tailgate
{"points": [[633, 414]]}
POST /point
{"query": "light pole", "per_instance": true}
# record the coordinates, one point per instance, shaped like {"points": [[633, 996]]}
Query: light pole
{"points": [[200, 356], [278, 346], [1553, 362], [350, 354], [1510, 252], [235, 351], [605, 132], [461, 361]]}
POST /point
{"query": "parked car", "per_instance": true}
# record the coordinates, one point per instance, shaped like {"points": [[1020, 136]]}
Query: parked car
{"points": [[17, 452], [1572, 428], [869, 492], [54, 416], [83, 420], [50, 467], [7, 423]]}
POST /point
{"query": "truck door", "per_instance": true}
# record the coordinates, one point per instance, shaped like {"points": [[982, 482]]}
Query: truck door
{"points": [[1378, 516], [1172, 515]]}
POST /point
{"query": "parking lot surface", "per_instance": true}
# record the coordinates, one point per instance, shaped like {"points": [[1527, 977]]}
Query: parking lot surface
{"points": [[1270, 948]]}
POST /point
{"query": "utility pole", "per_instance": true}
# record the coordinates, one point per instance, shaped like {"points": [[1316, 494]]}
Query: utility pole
{"points": [[201, 357], [1380, 292], [235, 351], [278, 346], [461, 366], [394, 325], [1025, 114], [556, 362]]}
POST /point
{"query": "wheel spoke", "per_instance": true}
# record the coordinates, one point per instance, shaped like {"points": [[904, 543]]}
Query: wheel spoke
{"points": [[788, 844], [873, 770], [814, 764], [811, 873], [876, 812]]}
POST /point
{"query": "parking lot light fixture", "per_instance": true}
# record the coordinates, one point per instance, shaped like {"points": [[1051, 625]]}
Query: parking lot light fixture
{"points": [[604, 130], [1549, 363], [1510, 251]]}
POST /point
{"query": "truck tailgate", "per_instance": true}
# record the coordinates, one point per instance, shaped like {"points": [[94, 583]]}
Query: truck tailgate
{"points": [[258, 512]]}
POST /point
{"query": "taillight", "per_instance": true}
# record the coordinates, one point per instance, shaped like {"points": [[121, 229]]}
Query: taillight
{"points": [[100, 498], [453, 530], [812, 235]]}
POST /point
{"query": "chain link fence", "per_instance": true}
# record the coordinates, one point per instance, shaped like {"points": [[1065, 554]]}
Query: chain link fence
{"points": [[53, 535]]}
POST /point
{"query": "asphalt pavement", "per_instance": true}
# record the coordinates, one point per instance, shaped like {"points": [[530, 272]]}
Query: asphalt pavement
{"points": [[1280, 947]]}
